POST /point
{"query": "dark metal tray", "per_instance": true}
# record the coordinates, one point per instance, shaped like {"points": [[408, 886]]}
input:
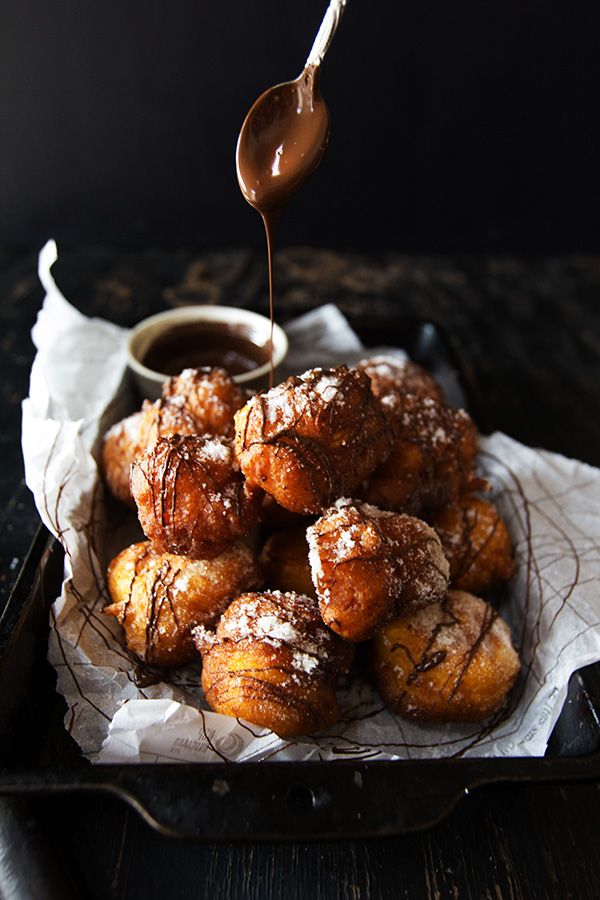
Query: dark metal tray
{"points": [[262, 800]]}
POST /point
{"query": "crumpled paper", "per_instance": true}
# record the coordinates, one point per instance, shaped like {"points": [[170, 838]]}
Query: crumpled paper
{"points": [[79, 388]]}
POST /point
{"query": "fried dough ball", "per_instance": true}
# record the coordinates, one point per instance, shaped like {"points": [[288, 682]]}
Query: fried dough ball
{"points": [[158, 597], [393, 377], [432, 460], [273, 662], [284, 562], [199, 401], [369, 564], [312, 438], [161, 419], [476, 543], [191, 497], [126, 440], [209, 396], [119, 448], [449, 662]]}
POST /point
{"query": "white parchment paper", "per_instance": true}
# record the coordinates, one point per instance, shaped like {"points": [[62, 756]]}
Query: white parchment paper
{"points": [[78, 389]]}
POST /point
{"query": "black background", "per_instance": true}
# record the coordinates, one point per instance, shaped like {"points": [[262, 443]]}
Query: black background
{"points": [[463, 126]]}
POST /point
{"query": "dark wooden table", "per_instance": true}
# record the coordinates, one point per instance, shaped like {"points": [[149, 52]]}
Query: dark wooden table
{"points": [[529, 334]]}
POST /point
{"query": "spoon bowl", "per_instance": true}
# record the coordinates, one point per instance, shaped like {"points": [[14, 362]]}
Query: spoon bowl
{"points": [[282, 141]]}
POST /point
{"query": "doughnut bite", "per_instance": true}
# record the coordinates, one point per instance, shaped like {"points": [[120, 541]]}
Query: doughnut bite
{"points": [[158, 597], [160, 419], [199, 401], [476, 543], [119, 448], [432, 459], [191, 497], [273, 663], [312, 438], [368, 565], [452, 661], [284, 562], [393, 377], [209, 396]]}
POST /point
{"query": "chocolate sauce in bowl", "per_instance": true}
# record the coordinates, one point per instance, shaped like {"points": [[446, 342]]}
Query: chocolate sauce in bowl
{"points": [[194, 345]]}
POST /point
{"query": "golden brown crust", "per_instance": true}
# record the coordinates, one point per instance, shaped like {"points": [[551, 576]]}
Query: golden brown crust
{"points": [[160, 419], [432, 459], [191, 497], [476, 543], [284, 562], [119, 448], [199, 401], [392, 378], [312, 438], [209, 396], [368, 565], [159, 597], [273, 663], [449, 662]]}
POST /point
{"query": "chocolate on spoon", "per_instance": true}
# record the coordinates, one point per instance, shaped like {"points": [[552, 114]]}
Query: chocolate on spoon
{"points": [[285, 133], [283, 138]]}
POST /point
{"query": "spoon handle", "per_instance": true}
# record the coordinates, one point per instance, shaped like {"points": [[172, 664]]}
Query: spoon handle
{"points": [[324, 37]]}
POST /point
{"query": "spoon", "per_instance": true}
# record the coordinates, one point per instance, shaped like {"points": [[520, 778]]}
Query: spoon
{"points": [[282, 140], [285, 133]]}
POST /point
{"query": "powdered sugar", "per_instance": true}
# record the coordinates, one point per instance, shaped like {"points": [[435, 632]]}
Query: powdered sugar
{"points": [[203, 638], [217, 449], [327, 387], [346, 542], [182, 582], [314, 558], [397, 562], [273, 627], [283, 402], [128, 428], [277, 405], [385, 366], [304, 661], [280, 620]]}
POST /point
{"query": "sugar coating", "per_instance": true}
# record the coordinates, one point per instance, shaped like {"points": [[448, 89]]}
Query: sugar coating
{"points": [[278, 619], [118, 452], [427, 421], [191, 495], [216, 449], [312, 438], [158, 597], [405, 551], [367, 508], [392, 378], [127, 428], [309, 391], [208, 395]]}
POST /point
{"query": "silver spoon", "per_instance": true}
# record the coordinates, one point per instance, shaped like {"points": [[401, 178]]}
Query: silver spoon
{"points": [[285, 133]]}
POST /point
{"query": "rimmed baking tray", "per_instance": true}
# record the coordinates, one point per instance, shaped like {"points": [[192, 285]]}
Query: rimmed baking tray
{"points": [[263, 800]]}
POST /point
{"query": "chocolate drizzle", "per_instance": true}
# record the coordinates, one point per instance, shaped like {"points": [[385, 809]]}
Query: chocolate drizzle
{"points": [[533, 597], [369, 565], [191, 497], [281, 143], [312, 438]]}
